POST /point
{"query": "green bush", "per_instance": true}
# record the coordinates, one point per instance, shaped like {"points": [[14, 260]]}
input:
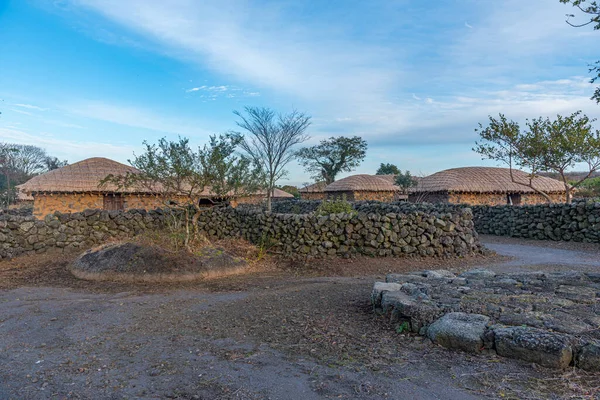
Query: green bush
{"points": [[335, 207]]}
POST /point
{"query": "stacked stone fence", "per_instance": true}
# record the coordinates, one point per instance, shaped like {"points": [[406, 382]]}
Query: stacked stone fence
{"points": [[26, 234], [377, 229], [579, 221]]}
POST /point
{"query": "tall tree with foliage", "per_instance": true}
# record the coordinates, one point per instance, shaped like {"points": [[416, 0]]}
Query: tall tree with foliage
{"points": [[269, 140], [387, 169], [591, 11], [406, 180], [545, 145], [332, 156], [181, 176]]}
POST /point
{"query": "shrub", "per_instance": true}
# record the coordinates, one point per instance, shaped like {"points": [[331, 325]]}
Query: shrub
{"points": [[335, 207]]}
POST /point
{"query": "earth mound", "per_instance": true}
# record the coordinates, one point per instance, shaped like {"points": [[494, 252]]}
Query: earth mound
{"points": [[132, 262]]}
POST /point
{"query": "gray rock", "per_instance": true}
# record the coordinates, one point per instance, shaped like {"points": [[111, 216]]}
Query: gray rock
{"points": [[588, 357], [580, 294], [379, 288], [548, 349], [478, 274], [460, 331], [438, 274]]}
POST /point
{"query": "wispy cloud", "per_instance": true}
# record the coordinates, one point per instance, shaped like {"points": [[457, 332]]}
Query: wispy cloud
{"points": [[70, 149], [20, 111], [31, 107]]}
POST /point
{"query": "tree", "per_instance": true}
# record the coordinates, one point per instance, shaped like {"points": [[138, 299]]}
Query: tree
{"points": [[332, 156], [269, 141], [181, 176], [405, 180], [18, 164], [546, 145], [52, 163], [592, 11], [387, 169], [293, 190]]}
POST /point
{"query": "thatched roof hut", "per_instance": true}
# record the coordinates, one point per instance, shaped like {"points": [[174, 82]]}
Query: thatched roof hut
{"points": [[82, 177], [363, 187], [316, 191], [484, 185]]}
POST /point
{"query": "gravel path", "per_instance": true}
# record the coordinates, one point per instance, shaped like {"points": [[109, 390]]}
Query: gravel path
{"points": [[265, 336]]}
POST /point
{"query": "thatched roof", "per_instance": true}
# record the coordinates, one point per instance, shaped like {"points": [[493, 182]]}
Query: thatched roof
{"points": [[318, 187], [21, 195], [282, 194], [484, 180], [85, 177], [362, 182], [81, 177]]}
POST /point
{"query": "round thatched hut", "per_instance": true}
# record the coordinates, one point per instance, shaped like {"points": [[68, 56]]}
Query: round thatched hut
{"points": [[316, 191], [485, 186], [363, 187]]}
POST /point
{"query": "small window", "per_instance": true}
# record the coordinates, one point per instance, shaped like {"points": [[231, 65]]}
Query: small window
{"points": [[112, 203], [514, 199]]}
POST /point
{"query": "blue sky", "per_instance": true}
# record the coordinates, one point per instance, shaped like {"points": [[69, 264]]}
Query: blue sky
{"points": [[86, 78]]}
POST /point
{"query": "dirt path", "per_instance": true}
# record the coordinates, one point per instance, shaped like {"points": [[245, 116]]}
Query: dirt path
{"points": [[270, 335]]}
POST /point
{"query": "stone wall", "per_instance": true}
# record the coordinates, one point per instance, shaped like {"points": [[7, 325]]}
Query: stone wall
{"points": [[26, 234], [313, 196], [579, 221], [46, 204], [362, 195], [378, 230], [490, 199]]}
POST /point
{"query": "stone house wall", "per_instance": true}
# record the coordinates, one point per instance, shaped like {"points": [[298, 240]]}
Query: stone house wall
{"points": [[490, 199], [45, 204], [362, 195], [313, 196]]}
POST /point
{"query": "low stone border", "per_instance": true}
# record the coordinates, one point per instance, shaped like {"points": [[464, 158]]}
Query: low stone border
{"points": [[552, 319]]}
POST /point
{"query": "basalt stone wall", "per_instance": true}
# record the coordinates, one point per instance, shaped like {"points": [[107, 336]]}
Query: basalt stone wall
{"points": [[26, 234], [578, 222], [378, 229]]}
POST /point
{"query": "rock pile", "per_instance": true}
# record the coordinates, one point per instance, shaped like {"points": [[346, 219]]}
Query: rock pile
{"points": [[552, 319], [133, 262]]}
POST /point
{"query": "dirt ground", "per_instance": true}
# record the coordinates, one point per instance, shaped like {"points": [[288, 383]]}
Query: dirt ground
{"points": [[281, 331]]}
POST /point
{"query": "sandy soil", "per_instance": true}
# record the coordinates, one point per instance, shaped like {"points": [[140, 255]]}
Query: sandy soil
{"points": [[283, 331]]}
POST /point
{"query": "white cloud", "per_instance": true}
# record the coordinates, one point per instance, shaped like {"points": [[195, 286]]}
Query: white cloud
{"points": [[20, 111], [31, 107], [71, 150], [468, 26]]}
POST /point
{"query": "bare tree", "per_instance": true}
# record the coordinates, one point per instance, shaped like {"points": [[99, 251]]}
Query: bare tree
{"points": [[270, 139]]}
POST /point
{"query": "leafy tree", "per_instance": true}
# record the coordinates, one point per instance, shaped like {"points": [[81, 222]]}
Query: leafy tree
{"points": [[269, 141], [546, 145], [387, 169], [181, 176], [591, 9], [405, 180], [332, 156], [293, 190]]}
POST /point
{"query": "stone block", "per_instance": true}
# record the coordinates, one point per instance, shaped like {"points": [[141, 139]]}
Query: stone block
{"points": [[459, 331], [588, 357], [548, 349]]}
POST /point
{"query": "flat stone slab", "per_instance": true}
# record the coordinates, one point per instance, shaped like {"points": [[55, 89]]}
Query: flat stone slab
{"points": [[548, 349], [588, 357], [459, 331]]}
